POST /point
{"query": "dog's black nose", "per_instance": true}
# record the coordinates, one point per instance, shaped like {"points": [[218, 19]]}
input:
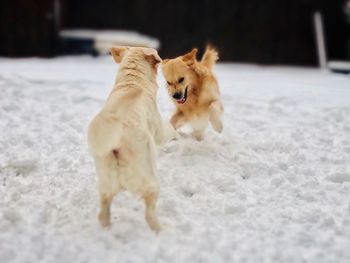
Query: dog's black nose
{"points": [[177, 95]]}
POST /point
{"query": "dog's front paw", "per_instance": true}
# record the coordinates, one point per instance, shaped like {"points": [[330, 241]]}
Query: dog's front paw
{"points": [[216, 123], [176, 135], [197, 135], [218, 127]]}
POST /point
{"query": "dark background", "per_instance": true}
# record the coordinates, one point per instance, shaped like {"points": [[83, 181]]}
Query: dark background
{"points": [[268, 32]]}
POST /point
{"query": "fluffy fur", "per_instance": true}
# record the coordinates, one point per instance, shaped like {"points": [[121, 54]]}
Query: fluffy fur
{"points": [[194, 90], [124, 135]]}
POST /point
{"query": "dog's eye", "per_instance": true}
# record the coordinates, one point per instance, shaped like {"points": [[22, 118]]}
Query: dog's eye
{"points": [[181, 80], [168, 83]]}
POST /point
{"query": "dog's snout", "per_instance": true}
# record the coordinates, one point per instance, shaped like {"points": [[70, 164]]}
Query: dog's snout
{"points": [[177, 95]]}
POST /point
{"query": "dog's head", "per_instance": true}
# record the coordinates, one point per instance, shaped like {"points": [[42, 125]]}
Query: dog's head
{"points": [[178, 75], [136, 56]]}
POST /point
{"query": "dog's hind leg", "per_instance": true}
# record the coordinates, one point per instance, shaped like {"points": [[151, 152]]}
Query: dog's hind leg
{"points": [[150, 214], [151, 190], [215, 112], [108, 187], [105, 206]]}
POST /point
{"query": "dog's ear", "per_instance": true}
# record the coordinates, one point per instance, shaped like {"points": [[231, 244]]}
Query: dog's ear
{"points": [[190, 57], [152, 56], [118, 53]]}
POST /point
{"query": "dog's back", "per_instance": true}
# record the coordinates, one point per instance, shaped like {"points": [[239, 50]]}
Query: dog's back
{"points": [[120, 136], [106, 129]]}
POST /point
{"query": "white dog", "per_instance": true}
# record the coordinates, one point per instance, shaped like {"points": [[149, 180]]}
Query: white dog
{"points": [[123, 136]]}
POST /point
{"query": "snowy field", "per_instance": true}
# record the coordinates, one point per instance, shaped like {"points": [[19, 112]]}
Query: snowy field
{"points": [[274, 187]]}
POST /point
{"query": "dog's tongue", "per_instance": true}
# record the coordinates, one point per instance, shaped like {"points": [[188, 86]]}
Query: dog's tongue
{"points": [[182, 101]]}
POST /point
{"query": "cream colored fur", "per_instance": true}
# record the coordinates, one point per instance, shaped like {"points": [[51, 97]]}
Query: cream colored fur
{"points": [[124, 136]]}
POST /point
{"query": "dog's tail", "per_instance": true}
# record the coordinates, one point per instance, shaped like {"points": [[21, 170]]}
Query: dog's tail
{"points": [[106, 129], [210, 57]]}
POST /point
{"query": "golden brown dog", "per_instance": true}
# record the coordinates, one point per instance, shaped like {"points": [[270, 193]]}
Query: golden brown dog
{"points": [[194, 90]]}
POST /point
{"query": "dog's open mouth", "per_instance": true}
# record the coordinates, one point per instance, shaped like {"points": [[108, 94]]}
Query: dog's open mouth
{"points": [[184, 98]]}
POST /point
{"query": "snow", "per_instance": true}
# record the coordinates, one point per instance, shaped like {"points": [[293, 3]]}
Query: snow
{"points": [[341, 66], [274, 187], [104, 39]]}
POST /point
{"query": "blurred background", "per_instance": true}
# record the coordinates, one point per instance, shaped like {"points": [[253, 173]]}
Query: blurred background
{"points": [[266, 32]]}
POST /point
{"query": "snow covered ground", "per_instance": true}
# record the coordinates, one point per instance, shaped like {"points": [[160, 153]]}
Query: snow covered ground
{"points": [[274, 187]]}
